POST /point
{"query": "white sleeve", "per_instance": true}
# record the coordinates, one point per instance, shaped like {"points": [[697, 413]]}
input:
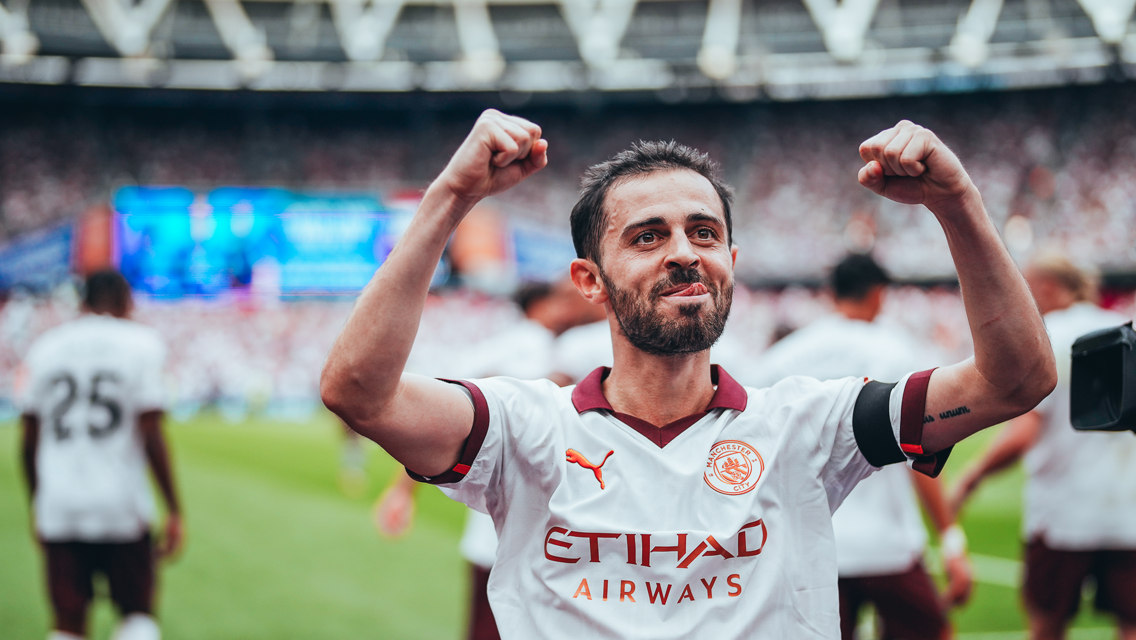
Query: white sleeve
{"points": [[151, 393], [820, 416], [866, 428], [845, 465], [508, 446], [475, 475]]}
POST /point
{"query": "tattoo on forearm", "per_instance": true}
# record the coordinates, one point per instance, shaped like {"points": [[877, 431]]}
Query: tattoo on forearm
{"points": [[958, 411], [927, 419]]}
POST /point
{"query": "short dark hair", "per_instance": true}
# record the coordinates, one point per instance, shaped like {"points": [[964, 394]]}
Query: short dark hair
{"points": [[855, 276], [588, 217], [107, 291], [531, 293]]}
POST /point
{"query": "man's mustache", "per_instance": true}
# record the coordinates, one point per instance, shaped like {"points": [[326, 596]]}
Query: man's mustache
{"points": [[680, 276]]}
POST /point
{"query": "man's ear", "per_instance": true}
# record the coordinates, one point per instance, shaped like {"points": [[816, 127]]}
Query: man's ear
{"points": [[585, 276], [734, 256]]}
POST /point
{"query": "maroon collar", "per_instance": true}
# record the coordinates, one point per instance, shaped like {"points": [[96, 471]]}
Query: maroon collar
{"points": [[588, 396]]}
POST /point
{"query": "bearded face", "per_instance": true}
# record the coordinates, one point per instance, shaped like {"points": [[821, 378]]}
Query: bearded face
{"points": [[697, 327]]}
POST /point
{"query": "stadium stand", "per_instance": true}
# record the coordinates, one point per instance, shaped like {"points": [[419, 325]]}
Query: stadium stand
{"points": [[1057, 161], [243, 358]]}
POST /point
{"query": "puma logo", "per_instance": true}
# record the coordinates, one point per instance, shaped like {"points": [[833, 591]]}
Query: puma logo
{"points": [[578, 458]]}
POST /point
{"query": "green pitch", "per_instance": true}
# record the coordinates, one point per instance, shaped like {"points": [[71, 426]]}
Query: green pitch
{"points": [[275, 550]]}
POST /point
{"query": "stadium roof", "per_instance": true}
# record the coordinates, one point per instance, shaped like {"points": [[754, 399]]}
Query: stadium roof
{"points": [[743, 49]]}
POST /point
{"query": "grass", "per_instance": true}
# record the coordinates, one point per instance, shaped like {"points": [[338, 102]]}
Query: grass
{"points": [[992, 520], [275, 550]]}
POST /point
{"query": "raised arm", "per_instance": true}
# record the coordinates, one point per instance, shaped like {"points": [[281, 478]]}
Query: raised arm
{"points": [[1013, 367], [421, 422]]}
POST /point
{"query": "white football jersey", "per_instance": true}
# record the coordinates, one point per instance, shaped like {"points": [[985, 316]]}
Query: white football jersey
{"points": [[479, 539], [716, 526], [524, 350], [88, 380], [879, 530], [1081, 485]]}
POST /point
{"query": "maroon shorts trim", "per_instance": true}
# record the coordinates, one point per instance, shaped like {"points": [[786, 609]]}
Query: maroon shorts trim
{"points": [[907, 605], [128, 567], [1054, 579], [482, 625]]}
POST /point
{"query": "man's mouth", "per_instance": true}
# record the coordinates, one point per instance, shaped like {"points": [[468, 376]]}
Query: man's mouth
{"points": [[686, 291]]}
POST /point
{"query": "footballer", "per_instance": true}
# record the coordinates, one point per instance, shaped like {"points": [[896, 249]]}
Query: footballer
{"points": [[660, 498]]}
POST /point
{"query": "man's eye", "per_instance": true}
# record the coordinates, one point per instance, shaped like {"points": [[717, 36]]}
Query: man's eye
{"points": [[645, 238], [705, 234]]}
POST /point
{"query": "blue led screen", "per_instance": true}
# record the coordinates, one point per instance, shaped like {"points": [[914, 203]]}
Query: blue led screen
{"points": [[173, 242]]}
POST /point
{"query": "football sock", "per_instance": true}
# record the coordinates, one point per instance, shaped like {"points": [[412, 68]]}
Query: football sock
{"points": [[137, 626], [63, 635]]}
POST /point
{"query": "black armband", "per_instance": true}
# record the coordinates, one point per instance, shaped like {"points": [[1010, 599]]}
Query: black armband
{"points": [[871, 424]]}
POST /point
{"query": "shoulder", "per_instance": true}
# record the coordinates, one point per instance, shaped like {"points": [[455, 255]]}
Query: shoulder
{"points": [[51, 341], [142, 335], [1067, 325], [521, 393], [789, 355], [819, 329], [595, 335], [130, 340], [819, 341], [521, 406], [804, 390]]}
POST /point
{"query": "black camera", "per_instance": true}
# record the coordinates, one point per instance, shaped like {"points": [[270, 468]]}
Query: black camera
{"points": [[1103, 384]]}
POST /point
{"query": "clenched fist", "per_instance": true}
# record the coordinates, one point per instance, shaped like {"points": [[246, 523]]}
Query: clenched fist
{"points": [[499, 152], [909, 164]]}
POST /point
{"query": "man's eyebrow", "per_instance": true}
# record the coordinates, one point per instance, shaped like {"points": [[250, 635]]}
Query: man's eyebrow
{"points": [[704, 217], [654, 221]]}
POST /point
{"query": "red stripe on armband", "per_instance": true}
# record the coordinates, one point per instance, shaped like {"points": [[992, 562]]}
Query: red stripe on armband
{"points": [[911, 413], [461, 468]]}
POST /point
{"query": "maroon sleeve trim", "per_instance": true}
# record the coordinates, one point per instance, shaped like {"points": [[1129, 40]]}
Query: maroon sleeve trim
{"points": [[472, 443], [912, 410], [911, 414]]}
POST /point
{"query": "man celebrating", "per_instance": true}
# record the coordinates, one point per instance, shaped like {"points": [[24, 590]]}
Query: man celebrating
{"points": [[92, 416], [1080, 497], [660, 498], [880, 537]]}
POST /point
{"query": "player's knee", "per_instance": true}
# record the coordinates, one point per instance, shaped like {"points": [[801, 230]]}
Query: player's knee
{"points": [[137, 626]]}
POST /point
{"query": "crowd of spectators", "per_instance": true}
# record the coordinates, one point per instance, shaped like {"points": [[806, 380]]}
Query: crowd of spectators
{"points": [[260, 355], [1055, 167], [1060, 161]]}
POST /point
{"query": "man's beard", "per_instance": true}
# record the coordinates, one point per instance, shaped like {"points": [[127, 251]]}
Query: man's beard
{"points": [[647, 329]]}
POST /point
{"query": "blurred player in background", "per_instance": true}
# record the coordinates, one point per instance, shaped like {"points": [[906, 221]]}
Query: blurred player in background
{"points": [[92, 422], [352, 463], [526, 351], [880, 537], [1080, 495]]}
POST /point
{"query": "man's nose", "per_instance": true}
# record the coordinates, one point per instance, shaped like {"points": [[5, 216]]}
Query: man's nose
{"points": [[681, 254]]}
